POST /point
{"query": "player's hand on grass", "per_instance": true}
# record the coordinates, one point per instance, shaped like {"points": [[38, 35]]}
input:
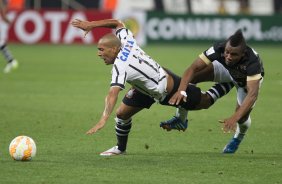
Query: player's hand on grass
{"points": [[84, 25], [97, 127], [229, 125], [178, 97]]}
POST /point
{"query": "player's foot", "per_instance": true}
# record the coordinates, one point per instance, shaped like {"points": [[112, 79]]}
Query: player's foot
{"points": [[232, 146], [11, 66], [112, 152], [174, 123]]}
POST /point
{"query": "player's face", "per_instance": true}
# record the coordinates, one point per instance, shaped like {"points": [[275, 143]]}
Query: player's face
{"points": [[108, 54], [232, 55]]}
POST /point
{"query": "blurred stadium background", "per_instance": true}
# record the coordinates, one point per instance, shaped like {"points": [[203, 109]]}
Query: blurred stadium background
{"points": [[43, 21]]}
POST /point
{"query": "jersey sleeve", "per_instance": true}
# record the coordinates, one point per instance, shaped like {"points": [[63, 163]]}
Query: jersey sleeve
{"points": [[119, 75], [124, 34], [211, 54], [254, 77], [254, 71], [255, 66]]}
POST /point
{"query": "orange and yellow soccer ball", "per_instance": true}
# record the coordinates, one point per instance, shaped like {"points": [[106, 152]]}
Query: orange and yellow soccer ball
{"points": [[22, 148]]}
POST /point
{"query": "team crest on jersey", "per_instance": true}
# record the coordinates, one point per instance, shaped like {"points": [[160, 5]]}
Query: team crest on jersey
{"points": [[210, 51], [243, 67]]}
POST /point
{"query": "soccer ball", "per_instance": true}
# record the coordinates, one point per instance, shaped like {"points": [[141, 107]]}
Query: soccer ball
{"points": [[22, 148]]}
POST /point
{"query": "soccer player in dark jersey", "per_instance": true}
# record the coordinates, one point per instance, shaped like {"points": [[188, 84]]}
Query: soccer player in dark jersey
{"points": [[231, 60]]}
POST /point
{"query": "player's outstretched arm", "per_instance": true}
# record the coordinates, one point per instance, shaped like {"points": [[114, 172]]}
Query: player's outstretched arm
{"points": [[187, 77], [110, 103], [87, 26], [245, 108]]}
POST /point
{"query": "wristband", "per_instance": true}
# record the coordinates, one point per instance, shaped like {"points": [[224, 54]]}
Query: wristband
{"points": [[183, 93]]}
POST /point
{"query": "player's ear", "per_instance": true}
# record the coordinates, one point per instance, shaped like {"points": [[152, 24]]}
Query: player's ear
{"points": [[116, 49]]}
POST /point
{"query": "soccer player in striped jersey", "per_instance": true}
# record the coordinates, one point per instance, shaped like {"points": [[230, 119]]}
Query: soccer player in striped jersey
{"points": [[229, 61], [11, 62], [150, 82]]}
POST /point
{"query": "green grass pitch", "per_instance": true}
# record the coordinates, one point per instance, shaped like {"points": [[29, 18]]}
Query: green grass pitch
{"points": [[58, 93]]}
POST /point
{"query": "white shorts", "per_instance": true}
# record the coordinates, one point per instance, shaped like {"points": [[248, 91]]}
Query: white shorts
{"points": [[221, 74]]}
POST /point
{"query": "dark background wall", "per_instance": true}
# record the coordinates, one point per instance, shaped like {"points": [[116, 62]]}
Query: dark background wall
{"points": [[58, 3]]}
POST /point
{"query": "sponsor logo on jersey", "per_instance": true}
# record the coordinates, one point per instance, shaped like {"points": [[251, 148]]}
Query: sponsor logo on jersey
{"points": [[243, 67], [126, 50]]}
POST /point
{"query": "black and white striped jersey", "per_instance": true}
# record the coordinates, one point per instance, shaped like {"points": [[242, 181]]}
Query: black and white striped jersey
{"points": [[134, 66]]}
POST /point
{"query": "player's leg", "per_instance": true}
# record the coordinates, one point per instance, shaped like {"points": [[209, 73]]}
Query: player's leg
{"points": [[123, 124], [243, 124], [218, 73], [214, 72], [217, 91], [11, 62], [133, 102], [179, 121], [224, 84], [242, 127]]}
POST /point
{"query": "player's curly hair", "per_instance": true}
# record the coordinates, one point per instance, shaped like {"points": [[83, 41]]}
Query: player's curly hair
{"points": [[237, 39]]}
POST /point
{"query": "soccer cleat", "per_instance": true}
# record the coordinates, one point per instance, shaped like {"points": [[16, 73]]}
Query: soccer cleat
{"points": [[112, 152], [174, 123], [232, 146], [11, 66]]}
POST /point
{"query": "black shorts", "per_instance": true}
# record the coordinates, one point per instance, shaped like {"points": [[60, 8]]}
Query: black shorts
{"points": [[135, 98]]}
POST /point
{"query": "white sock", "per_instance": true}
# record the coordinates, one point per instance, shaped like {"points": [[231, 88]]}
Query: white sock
{"points": [[181, 113], [242, 129]]}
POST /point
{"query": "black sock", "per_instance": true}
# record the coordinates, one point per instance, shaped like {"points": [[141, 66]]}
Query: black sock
{"points": [[122, 131], [6, 53]]}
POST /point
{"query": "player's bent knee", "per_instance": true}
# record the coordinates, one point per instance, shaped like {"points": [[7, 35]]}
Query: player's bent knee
{"points": [[205, 103], [122, 115]]}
